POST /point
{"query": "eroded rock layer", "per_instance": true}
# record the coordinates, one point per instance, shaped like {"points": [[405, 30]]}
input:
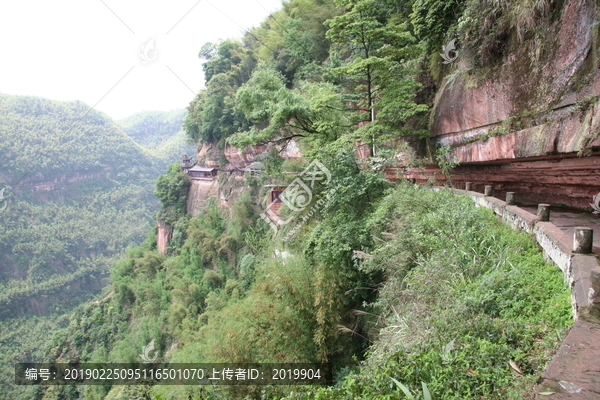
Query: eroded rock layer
{"points": [[572, 181]]}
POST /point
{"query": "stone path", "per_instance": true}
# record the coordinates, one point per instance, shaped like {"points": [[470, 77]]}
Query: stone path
{"points": [[567, 220], [574, 372]]}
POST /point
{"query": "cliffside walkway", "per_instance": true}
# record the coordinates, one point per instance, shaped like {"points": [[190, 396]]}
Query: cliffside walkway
{"points": [[574, 372], [567, 220]]}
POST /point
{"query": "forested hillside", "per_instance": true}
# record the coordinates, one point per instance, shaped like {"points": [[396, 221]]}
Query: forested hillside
{"points": [[421, 285], [314, 71], [160, 132], [76, 192], [403, 290]]}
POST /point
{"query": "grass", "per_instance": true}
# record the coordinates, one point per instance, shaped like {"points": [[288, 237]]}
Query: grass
{"points": [[468, 305]]}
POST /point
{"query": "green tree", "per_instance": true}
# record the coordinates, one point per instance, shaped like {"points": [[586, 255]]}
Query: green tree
{"points": [[295, 45], [312, 110], [227, 57], [376, 49], [212, 115], [171, 190]]}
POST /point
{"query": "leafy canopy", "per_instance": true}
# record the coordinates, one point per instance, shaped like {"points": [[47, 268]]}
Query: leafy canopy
{"points": [[311, 110]]}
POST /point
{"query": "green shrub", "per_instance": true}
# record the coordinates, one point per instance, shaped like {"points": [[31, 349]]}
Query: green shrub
{"points": [[464, 295]]}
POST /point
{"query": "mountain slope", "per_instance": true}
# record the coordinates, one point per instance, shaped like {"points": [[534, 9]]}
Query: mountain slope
{"points": [[77, 191], [160, 132]]}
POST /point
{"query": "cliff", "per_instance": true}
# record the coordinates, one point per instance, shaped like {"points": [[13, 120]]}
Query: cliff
{"points": [[199, 192], [529, 123], [41, 187], [231, 157]]}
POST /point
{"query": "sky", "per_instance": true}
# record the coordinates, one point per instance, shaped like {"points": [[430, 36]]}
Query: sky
{"points": [[120, 57]]}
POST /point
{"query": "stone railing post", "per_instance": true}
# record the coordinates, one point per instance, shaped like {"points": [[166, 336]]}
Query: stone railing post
{"points": [[594, 295], [487, 191], [543, 212], [583, 238], [510, 198], [468, 186]]}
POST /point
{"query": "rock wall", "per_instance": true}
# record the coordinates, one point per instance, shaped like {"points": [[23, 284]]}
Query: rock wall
{"points": [[199, 192], [556, 179], [163, 236], [531, 123], [534, 77], [39, 185], [212, 156]]}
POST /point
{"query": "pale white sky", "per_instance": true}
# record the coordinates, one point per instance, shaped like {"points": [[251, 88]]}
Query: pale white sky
{"points": [[89, 50]]}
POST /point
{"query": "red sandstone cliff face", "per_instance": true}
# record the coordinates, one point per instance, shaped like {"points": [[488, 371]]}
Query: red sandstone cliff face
{"points": [[40, 185], [203, 189], [211, 156], [163, 236], [199, 193], [540, 102], [535, 76]]}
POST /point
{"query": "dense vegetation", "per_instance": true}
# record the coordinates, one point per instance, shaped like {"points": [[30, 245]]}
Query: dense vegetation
{"points": [[77, 192], [361, 70], [314, 72], [406, 270], [421, 287], [160, 132], [463, 297]]}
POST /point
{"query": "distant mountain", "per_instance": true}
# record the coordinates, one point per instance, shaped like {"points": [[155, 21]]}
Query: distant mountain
{"points": [[76, 192], [160, 132], [43, 139]]}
